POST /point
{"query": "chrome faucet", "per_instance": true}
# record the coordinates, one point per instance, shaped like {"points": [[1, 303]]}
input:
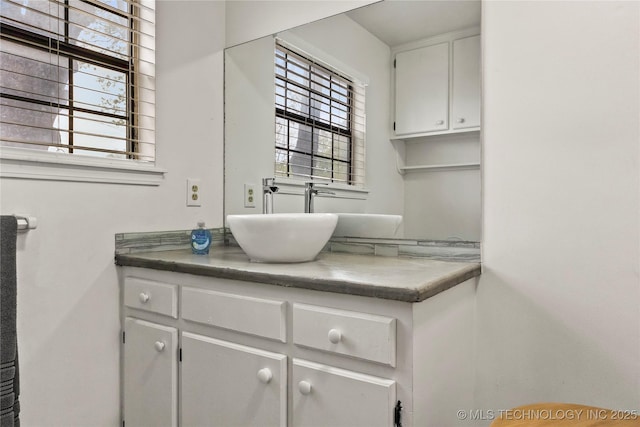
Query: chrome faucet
{"points": [[268, 188], [309, 192]]}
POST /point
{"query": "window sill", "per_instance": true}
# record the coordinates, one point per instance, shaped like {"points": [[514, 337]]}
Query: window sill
{"points": [[343, 191], [27, 164]]}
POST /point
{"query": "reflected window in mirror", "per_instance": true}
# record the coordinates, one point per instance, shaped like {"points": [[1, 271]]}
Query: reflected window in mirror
{"points": [[319, 120]]}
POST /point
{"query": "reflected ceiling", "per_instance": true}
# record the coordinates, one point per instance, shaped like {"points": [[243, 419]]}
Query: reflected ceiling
{"points": [[417, 19]]}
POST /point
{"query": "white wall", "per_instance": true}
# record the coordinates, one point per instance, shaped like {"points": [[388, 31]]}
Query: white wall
{"points": [[249, 152], [68, 299], [249, 121], [443, 204], [559, 297], [248, 20]]}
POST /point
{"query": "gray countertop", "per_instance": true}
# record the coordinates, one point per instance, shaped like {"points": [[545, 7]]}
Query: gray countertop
{"points": [[396, 278]]}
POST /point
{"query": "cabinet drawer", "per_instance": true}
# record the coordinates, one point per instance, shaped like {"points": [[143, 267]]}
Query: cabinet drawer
{"points": [[151, 296], [365, 336], [256, 316]]}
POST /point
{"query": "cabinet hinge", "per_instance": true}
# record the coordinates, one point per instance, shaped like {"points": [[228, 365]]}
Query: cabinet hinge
{"points": [[123, 340], [397, 415], [394, 63], [180, 355]]}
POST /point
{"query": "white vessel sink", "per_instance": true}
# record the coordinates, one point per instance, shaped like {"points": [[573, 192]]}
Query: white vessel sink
{"points": [[367, 225], [290, 237]]}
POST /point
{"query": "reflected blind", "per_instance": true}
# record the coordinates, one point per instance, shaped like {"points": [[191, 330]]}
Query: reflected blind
{"points": [[78, 76], [319, 119]]}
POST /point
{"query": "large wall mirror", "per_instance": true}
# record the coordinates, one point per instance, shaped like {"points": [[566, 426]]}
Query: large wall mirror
{"points": [[430, 178]]}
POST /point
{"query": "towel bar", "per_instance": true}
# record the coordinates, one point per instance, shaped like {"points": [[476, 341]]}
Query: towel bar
{"points": [[26, 222]]}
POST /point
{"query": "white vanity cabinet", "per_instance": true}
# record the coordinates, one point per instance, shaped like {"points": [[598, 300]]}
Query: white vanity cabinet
{"points": [[327, 396], [150, 374], [150, 355], [227, 384], [238, 353], [437, 85]]}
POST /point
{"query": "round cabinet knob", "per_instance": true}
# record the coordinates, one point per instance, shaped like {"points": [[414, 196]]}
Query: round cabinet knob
{"points": [[440, 122], [144, 297], [159, 345], [304, 387], [460, 120], [265, 375], [335, 336]]}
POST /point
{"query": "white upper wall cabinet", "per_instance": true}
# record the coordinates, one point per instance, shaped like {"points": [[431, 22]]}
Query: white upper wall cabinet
{"points": [[437, 85], [465, 104], [422, 89]]}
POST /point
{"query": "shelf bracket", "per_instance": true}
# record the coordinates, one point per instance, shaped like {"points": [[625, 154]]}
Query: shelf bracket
{"points": [[398, 147]]}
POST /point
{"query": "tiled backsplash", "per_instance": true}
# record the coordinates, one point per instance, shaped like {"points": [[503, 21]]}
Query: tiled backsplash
{"points": [[445, 250], [127, 243]]}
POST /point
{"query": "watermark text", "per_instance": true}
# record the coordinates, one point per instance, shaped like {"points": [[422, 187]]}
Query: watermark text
{"points": [[525, 414]]}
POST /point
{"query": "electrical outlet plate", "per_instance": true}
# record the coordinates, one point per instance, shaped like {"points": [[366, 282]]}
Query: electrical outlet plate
{"points": [[193, 192], [249, 196]]}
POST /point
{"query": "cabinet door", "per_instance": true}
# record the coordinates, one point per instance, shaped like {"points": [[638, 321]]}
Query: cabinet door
{"points": [[328, 396], [150, 374], [466, 83], [227, 384], [422, 90]]}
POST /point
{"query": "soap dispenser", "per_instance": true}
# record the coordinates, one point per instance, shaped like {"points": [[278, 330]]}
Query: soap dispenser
{"points": [[200, 239]]}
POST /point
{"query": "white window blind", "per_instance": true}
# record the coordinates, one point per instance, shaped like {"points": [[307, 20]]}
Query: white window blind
{"points": [[319, 118], [78, 76]]}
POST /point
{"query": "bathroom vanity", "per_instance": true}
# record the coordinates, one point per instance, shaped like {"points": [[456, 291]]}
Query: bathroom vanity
{"points": [[351, 340]]}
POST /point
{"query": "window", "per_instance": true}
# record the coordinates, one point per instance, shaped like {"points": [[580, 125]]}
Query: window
{"points": [[77, 76], [319, 120]]}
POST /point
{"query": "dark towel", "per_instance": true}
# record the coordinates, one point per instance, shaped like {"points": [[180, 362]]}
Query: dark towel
{"points": [[9, 379]]}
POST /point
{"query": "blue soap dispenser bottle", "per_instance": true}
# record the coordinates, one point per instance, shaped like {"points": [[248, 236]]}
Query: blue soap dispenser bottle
{"points": [[200, 239]]}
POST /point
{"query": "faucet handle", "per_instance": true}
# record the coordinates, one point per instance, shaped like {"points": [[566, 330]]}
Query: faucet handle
{"points": [[311, 184], [324, 192], [269, 185]]}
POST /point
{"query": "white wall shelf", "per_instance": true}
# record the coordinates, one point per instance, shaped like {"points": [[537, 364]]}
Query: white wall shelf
{"points": [[403, 168], [426, 168], [416, 137]]}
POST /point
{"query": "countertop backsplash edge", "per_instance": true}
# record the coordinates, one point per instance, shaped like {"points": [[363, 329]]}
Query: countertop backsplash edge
{"points": [[441, 250]]}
